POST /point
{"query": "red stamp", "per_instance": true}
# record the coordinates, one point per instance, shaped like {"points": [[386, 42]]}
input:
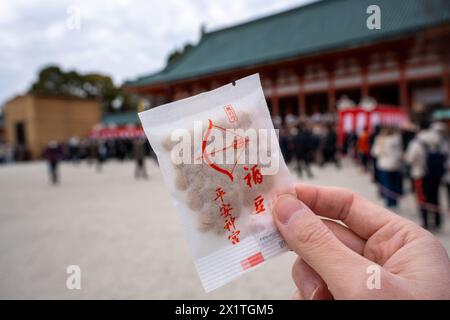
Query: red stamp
{"points": [[230, 113], [252, 261]]}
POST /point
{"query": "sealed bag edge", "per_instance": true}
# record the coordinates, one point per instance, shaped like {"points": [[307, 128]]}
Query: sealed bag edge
{"points": [[176, 110]]}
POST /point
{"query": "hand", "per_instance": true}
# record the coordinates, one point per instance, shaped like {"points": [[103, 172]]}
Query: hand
{"points": [[336, 260]]}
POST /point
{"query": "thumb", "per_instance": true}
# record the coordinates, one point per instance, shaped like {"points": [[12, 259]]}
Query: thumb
{"points": [[343, 270]]}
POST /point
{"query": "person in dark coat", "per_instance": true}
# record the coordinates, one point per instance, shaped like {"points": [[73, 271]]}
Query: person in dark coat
{"points": [[303, 145], [139, 157], [284, 144], [330, 147], [53, 154]]}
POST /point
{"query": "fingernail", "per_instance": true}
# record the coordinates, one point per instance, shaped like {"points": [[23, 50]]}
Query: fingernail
{"points": [[286, 206], [309, 289]]}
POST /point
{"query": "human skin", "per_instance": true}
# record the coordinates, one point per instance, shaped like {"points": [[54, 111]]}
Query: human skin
{"points": [[334, 256]]}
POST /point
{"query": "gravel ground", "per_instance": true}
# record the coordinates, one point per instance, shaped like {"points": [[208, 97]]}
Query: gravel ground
{"points": [[124, 234]]}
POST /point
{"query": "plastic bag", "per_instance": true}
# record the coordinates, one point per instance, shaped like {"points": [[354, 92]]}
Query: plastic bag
{"points": [[220, 158]]}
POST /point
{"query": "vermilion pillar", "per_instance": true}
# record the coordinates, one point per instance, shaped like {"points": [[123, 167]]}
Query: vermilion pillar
{"points": [[365, 82], [301, 96], [446, 85], [274, 99], [403, 87], [331, 92]]}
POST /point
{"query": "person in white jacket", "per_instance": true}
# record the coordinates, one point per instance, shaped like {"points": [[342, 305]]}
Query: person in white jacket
{"points": [[426, 186], [387, 150], [444, 132]]}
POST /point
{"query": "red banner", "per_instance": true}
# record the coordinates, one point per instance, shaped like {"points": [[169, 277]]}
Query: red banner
{"points": [[354, 120], [118, 132]]}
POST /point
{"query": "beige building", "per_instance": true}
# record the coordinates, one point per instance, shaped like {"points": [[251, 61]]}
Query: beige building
{"points": [[33, 120]]}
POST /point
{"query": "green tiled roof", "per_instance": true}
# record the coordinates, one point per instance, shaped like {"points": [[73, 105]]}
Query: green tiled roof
{"points": [[318, 27]]}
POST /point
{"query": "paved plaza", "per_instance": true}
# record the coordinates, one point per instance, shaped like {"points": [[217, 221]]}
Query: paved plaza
{"points": [[124, 234]]}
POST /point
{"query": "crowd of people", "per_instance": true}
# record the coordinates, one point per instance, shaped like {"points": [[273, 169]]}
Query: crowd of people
{"points": [[406, 158], [309, 142], [91, 150], [98, 151], [413, 158], [13, 153], [410, 158]]}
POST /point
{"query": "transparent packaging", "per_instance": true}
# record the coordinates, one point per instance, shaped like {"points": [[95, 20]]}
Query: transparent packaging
{"points": [[220, 159]]}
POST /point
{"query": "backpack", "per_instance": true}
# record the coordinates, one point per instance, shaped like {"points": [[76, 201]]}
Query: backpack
{"points": [[435, 162]]}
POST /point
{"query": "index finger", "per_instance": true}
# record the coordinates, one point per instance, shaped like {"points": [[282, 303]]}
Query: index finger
{"points": [[359, 214]]}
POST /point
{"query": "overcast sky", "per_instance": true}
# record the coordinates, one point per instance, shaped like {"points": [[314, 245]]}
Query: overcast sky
{"points": [[120, 38]]}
